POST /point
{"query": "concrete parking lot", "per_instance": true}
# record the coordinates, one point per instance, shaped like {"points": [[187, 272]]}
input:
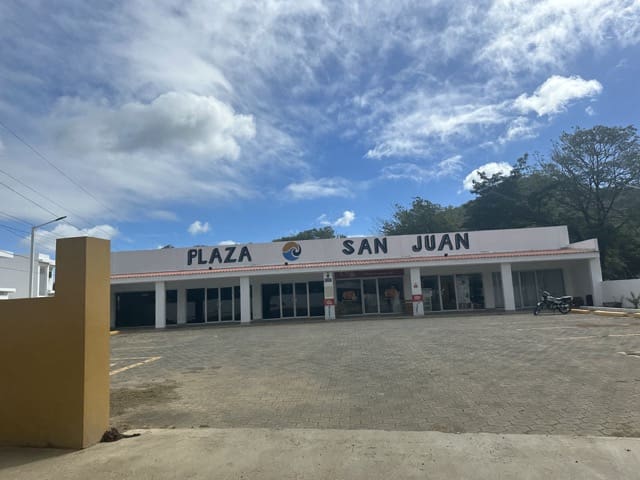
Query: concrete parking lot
{"points": [[551, 374]]}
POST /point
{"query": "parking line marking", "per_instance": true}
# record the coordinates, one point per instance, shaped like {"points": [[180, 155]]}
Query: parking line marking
{"points": [[128, 367], [578, 338], [635, 355], [600, 336], [544, 328], [130, 358]]}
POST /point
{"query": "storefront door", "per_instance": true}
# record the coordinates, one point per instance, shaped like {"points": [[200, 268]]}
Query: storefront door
{"points": [[349, 297], [448, 288]]}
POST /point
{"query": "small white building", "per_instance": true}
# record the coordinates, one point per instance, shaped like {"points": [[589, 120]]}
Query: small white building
{"points": [[14, 276], [343, 277]]}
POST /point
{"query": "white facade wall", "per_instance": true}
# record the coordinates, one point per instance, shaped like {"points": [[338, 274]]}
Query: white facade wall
{"points": [[14, 275], [492, 254], [401, 247], [620, 291]]}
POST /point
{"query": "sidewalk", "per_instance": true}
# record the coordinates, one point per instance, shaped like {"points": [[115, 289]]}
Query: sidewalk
{"points": [[330, 454]]}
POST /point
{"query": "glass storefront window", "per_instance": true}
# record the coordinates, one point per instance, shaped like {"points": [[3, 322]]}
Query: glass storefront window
{"points": [[477, 290], [270, 300], [390, 294], [349, 301], [287, 300], [195, 305], [529, 285], [552, 281], [370, 289], [172, 307], [498, 294], [469, 291], [236, 303], [301, 300], [226, 304], [431, 294], [316, 299], [448, 292], [463, 292], [213, 315]]}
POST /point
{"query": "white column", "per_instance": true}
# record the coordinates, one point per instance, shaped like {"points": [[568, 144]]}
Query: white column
{"points": [[37, 279], [182, 306], [245, 300], [161, 305], [112, 316], [329, 296], [416, 292], [596, 281], [44, 282], [257, 300], [507, 286], [487, 290]]}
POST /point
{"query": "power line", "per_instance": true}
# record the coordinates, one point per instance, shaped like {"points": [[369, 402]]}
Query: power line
{"points": [[29, 200], [51, 200], [37, 152], [13, 233], [7, 227], [5, 214]]}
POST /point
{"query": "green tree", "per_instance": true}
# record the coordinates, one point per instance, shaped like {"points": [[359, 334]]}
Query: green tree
{"points": [[597, 172], [311, 234], [422, 217], [517, 200]]}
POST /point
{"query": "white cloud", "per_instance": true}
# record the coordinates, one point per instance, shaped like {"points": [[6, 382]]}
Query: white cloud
{"points": [[533, 36], [178, 121], [518, 129], [46, 239], [590, 111], [556, 93], [448, 167], [489, 169], [198, 227], [163, 215], [215, 100], [322, 187], [422, 121], [227, 242], [347, 218]]}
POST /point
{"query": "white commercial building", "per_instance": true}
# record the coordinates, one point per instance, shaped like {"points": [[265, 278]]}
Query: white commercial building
{"points": [[382, 275], [14, 276]]}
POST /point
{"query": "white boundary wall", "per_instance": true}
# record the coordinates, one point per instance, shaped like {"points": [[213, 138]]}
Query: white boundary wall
{"points": [[617, 290]]}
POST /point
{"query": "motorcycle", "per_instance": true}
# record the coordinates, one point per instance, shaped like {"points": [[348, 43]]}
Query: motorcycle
{"points": [[549, 302]]}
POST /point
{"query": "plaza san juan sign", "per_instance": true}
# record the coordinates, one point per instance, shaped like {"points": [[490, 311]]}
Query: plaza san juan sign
{"points": [[310, 251], [339, 249]]}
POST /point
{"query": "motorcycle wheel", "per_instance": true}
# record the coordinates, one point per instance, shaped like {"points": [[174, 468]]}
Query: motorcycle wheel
{"points": [[537, 310], [564, 309]]}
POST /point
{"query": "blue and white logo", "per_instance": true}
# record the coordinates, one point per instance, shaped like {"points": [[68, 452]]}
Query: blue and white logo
{"points": [[291, 251]]}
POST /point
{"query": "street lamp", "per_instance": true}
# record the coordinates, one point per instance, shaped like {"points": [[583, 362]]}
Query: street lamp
{"points": [[31, 255]]}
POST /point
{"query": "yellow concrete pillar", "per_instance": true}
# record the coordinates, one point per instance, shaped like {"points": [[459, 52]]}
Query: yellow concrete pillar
{"points": [[54, 354]]}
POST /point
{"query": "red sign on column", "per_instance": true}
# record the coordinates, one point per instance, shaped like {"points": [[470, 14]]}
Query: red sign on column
{"points": [[416, 298], [329, 301]]}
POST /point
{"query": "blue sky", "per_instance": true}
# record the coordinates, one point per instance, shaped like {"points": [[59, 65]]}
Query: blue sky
{"points": [[203, 122]]}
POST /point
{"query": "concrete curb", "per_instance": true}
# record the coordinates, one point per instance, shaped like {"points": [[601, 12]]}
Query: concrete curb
{"points": [[606, 313], [326, 454]]}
